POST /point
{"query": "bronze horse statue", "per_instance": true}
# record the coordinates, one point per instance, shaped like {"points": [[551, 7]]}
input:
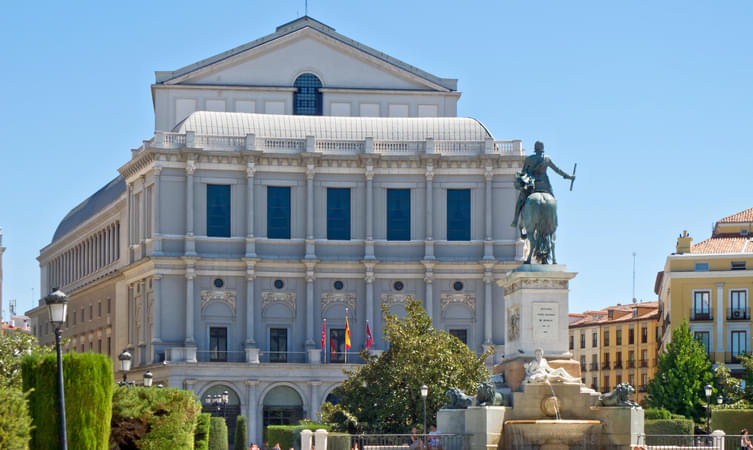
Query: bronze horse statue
{"points": [[540, 223]]}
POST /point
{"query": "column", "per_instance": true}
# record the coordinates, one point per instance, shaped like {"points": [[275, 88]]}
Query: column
{"points": [[190, 275], [310, 249], [488, 278], [142, 211], [107, 245], [190, 245], [429, 243], [156, 287], [250, 277], [488, 242], [251, 411], [370, 295], [369, 251], [310, 306], [315, 404], [719, 321], [428, 281], [250, 241], [131, 214], [144, 339], [157, 244]]}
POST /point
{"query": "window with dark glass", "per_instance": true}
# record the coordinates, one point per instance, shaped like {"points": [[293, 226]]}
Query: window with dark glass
{"points": [[218, 344], [398, 214], [594, 340], [618, 337], [739, 343], [644, 335], [338, 213], [631, 336], [278, 212], [704, 338], [461, 334], [278, 345], [458, 214], [606, 338], [702, 305], [618, 361], [738, 304], [583, 340], [307, 100], [337, 345], [571, 342], [218, 210]]}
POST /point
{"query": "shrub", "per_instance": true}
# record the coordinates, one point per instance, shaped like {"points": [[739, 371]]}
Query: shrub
{"points": [[217, 434], [731, 420], [668, 426], [656, 413], [201, 435], [289, 435], [15, 422], [338, 441], [153, 418], [88, 383], [240, 442]]}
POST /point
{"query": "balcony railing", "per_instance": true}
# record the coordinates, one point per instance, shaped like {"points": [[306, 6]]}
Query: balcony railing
{"points": [[733, 358], [642, 388], [644, 363], [630, 364], [594, 366], [582, 367], [220, 356], [700, 315], [282, 357], [618, 365], [606, 366], [738, 314]]}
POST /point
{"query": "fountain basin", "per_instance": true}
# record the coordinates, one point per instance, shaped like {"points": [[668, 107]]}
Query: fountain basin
{"points": [[549, 434]]}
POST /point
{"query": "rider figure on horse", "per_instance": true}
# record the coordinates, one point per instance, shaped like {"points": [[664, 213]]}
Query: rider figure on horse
{"points": [[532, 178]]}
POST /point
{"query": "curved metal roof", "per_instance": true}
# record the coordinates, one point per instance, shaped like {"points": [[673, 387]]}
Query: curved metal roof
{"points": [[96, 202], [330, 127]]}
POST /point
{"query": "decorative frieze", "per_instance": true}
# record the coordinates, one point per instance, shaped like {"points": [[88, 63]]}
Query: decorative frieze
{"points": [[536, 284], [344, 298], [391, 299], [450, 298], [270, 297], [226, 297]]}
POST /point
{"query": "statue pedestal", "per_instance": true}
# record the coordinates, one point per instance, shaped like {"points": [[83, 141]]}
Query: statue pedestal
{"points": [[536, 298]]}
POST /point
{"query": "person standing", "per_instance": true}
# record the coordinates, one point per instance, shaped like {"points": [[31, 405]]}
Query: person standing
{"points": [[745, 443]]}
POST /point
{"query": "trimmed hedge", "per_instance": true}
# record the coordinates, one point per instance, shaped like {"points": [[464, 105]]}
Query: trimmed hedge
{"points": [[338, 441], [88, 384], [731, 420], [153, 418], [201, 434], [15, 421], [240, 441], [217, 434], [288, 435], [656, 414], [668, 426]]}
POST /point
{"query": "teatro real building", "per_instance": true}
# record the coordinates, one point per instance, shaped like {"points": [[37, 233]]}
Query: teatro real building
{"points": [[287, 179]]}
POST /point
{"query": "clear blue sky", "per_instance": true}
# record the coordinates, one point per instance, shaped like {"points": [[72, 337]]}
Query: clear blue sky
{"points": [[653, 100]]}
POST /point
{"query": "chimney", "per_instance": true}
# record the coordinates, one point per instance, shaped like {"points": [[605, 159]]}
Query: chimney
{"points": [[683, 243]]}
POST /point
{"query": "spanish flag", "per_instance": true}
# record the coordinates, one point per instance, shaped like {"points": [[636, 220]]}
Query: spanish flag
{"points": [[347, 332]]}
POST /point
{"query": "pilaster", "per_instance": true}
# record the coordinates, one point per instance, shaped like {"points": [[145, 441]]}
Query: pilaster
{"points": [[190, 240], [250, 240]]}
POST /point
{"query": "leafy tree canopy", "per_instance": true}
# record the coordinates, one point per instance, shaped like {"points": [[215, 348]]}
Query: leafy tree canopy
{"points": [[13, 347], [383, 395], [727, 385], [683, 372]]}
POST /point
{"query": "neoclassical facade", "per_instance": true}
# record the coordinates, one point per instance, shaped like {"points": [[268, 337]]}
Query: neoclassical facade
{"points": [[288, 181]]}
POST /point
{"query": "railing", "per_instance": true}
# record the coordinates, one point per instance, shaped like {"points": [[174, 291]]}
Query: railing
{"points": [[700, 315], [582, 367], [405, 441], [282, 357], [618, 365], [679, 441], [733, 358], [340, 358], [642, 388], [605, 366], [738, 314], [630, 364], [334, 146], [220, 356], [594, 366], [644, 363]]}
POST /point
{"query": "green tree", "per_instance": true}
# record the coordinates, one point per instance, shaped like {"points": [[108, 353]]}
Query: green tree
{"points": [[683, 371], [217, 434], [15, 421], [13, 347], [241, 434], [383, 395], [746, 360], [726, 385]]}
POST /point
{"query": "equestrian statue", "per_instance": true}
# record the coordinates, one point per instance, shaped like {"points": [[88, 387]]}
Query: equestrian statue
{"points": [[536, 208]]}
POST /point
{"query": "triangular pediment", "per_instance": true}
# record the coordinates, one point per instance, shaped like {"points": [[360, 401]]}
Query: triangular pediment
{"points": [[306, 45]]}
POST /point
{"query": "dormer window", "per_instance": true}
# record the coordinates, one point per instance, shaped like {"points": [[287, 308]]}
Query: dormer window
{"points": [[307, 100]]}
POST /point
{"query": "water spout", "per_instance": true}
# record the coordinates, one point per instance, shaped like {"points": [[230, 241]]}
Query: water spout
{"points": [[556, 402]]}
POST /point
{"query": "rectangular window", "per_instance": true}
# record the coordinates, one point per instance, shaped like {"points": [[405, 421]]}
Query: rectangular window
{"points": [[704, 337], [74, 317], [737, 265], [631, 359], [595, 384], [738, 304], [644, 358], [278, 212], [218, 210], [218, 344], [278, 345], [571, 342], [594, 362], [618, 361], [605, 386], [91, 312], [338, 213], [739, 343], [109, 346], [458, 214], [631, 380], [337, 345], [702, 267], [461, 334], [644, 335], [618, 380], [582, 363], [701, 305], [99, 346], [109, 301], [398, 214], [594, 340], [583, 340], [631, 336], [618, 338], [99, 309], [606, 338]]}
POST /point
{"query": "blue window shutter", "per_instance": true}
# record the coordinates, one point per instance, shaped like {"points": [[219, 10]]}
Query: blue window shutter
{"points": [[398, 214], [338, 213], [458, 214], [218, 210], [278, 212]]}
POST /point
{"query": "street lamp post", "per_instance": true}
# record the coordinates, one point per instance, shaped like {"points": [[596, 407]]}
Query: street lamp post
{"points": [[424, 394], [125, 366], [708, 390], [148, 378], [57, 305], [225, 398]]}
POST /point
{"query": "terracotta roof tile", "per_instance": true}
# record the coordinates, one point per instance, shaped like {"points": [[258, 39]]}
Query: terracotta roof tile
{"points": [[742, 216], [722, 244]]}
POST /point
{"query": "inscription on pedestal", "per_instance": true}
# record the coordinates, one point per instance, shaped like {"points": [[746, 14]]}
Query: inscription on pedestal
{"points": [[545, 319]]}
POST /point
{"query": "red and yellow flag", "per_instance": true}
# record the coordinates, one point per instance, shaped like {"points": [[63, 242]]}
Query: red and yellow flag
{"points": [[347, 333]]}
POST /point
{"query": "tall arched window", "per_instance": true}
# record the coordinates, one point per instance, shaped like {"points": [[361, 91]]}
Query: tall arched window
{"points": [[307, 100]]}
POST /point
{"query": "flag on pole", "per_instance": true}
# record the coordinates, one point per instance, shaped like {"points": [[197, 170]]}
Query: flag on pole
{"points": [[324, 334], [347, 331], [369, 337]]}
